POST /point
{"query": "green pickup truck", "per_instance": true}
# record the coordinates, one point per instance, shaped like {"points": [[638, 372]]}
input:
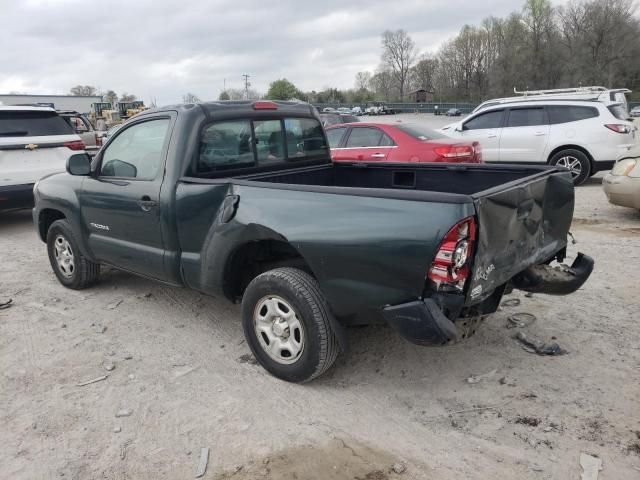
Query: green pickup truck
{"points": [[241, 199]]}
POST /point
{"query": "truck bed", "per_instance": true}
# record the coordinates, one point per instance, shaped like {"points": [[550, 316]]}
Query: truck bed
{"points": [[468, 180]]}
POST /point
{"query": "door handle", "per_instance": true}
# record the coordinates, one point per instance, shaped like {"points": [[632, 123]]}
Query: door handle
{"points": [[378, 155], [539, 134], [492, 135], [145, 203]]}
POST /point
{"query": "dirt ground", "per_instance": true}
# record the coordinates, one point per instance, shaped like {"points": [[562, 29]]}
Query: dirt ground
{"points": [[180, 378]]}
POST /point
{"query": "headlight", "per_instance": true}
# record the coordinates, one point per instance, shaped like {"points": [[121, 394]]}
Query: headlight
{"points": [[623, 167]]}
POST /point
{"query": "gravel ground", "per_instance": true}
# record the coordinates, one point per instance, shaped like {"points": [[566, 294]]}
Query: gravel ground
{"points": [[181, 378]]}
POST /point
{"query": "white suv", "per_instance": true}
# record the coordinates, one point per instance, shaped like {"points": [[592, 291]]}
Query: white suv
{"points": [[583, 135], [34, 142]]}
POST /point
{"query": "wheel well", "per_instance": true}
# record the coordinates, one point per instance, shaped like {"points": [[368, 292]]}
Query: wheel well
{"points": [[47, 217], [254, 258], [571, 147]]}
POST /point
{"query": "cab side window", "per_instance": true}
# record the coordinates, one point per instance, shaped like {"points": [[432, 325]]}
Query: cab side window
{"points": [[137, 151]]}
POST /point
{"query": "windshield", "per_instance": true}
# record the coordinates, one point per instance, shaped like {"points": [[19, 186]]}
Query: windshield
{"points": [[419, 132]]}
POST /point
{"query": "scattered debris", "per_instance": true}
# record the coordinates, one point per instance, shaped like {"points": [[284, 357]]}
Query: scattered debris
{"points": [[399, 468], [240, 342], [123, 449], [131, 376], [536, 346], [478, 378], [128, 357], [202, 464], [148, 295], [109, 367], [124, 413], [89, 382], [512, 302], [7, 304], [246, 358], [591, 465], [634, 447], [510, 382], [114, 305], [530, 421], [520, 320], [117, 430], [536, 468], [475, 409], [99, 328]]}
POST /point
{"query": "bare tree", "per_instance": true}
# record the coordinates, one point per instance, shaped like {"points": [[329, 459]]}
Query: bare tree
{"points": [[83, 90], [110, 96], [382, 83], [127, 97], [363, 79], [190, 98], [422, 75], [398, 54]]}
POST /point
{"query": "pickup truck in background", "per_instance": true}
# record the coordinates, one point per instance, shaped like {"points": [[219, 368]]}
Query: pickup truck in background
{"points": [[241, 198]]}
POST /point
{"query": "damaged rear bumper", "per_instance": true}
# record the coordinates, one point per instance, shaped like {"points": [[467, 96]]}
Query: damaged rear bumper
{"points": [[559, 280], [423, 321]]}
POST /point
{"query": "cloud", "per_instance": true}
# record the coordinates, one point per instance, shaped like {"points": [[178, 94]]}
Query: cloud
{"points": [[163, 48]]}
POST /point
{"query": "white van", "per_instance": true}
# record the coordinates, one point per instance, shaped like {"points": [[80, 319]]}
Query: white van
{"points": [[585, 136]]}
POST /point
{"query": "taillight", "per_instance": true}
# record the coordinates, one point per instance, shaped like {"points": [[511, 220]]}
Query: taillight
{"points": [[75, 145], [450, 267], [455, 152], [619, 127]]}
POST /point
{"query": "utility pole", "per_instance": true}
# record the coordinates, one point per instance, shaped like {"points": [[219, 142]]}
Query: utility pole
{"points": [[246, 86]]}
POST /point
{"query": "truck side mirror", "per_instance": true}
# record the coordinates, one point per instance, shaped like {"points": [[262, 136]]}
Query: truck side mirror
{"points": [[79, 164], [459, 128]]}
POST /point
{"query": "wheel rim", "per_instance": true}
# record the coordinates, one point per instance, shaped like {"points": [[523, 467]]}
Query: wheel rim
{"points": [[279, 330], [64, 256], [572, 164]]}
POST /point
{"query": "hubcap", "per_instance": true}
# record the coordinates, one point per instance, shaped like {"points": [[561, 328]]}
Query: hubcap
{"points": [[572, 164], [279, 330], [64, 256]]}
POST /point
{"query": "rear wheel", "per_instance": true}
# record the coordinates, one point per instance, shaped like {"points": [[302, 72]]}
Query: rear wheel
{"points": [[72, 268], [576, 162], [286, 322]]}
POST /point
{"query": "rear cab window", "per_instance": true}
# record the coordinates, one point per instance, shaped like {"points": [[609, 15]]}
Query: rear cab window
{"points": [[32, 123], [244, 144]]}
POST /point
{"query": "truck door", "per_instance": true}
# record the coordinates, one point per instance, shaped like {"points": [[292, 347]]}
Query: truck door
{"points": [[525, 135], [120, 206]]}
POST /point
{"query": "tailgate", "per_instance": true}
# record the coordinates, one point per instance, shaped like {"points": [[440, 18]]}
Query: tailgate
{"points": [[520, 224]]}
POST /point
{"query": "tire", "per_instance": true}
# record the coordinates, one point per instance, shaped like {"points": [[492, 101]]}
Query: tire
{"points": [[284, 309], [577, 163], [72, 268]]}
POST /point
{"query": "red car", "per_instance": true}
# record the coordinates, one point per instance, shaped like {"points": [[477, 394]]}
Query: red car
{"points": [[397, 142]]}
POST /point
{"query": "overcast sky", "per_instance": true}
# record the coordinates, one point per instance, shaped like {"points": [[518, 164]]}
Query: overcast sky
{"points": [[165, 48]]}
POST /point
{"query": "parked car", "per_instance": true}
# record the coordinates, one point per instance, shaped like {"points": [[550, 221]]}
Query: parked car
{"points": [[356, 111], [378, 108], [344, 110], [328, 110], [250, 206], [81, 125], [605, 95], [34, 142], [622, 184], [399, 142], [329, 119], [635, 112], [581, 135], [453, 112]]}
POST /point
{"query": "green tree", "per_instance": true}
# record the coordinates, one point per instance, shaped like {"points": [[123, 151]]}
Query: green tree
{"points": [[283, 89], [190, 98], [224, 96]]}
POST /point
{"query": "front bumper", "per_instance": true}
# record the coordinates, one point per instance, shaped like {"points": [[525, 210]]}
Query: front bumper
{"points": [[622, 190], [423, 321]]}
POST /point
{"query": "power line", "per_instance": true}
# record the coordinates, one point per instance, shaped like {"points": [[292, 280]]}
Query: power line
{"points": [[246, 86]]}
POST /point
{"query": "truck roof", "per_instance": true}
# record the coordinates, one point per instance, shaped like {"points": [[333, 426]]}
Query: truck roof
{"points": [[241, 107]]}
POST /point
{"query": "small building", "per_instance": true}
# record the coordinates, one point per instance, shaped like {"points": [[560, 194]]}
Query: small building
{"points": [[78, 103], [421, 96]]}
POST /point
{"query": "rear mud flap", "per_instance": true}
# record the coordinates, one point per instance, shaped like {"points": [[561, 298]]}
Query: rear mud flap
{"points": [[559, 280], [421, 322]]}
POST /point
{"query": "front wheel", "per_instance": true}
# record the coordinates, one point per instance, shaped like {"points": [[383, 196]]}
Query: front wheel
{"points": [[286, 323], [72, 268], [576, 162]]}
